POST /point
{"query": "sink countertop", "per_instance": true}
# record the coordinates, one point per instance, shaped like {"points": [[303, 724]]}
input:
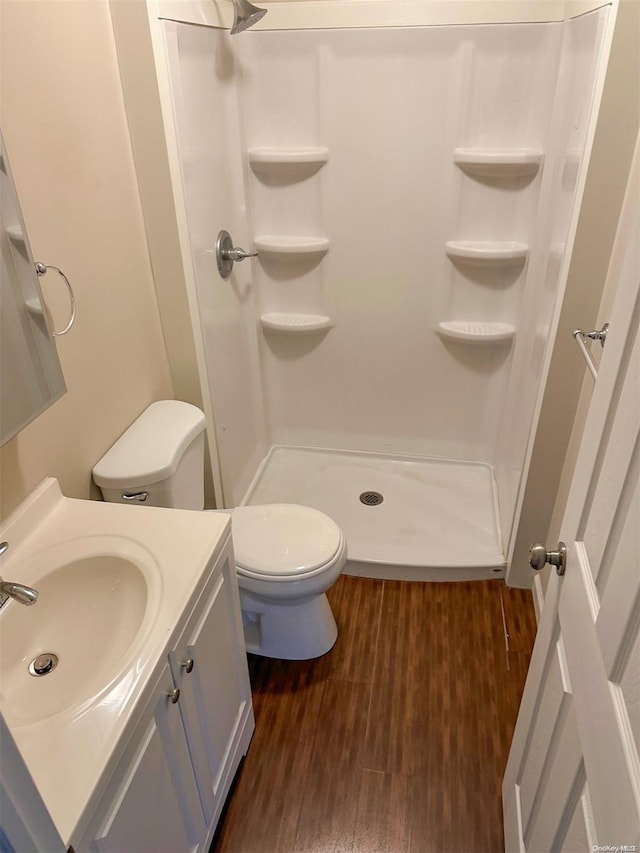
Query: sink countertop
{"points": [[70, 753]]}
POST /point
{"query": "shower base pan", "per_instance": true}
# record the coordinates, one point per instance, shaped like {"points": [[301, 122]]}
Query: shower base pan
{"points": [[404, 518]]}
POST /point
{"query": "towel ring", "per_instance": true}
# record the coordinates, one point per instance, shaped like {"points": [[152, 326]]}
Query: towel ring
{"points": [[41, 270]]}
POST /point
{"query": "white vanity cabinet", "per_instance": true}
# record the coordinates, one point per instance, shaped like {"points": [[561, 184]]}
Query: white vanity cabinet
{"points": [[204, 666], [169, 786], [153, 803]]}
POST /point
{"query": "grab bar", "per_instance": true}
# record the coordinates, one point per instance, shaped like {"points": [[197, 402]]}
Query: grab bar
{"points": [[580, 337]]}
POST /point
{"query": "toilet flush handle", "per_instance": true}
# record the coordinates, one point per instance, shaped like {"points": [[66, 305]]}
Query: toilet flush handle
{"points": [[138, 497]]}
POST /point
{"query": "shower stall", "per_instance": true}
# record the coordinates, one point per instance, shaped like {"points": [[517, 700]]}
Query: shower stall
{"points": [[409, 175]]}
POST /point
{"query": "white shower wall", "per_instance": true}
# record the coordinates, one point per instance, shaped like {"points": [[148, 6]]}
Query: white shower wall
{"points": [[391, 105], [385, 112]]}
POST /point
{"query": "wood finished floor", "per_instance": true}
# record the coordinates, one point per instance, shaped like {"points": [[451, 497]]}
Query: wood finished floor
{"points": [[397, 739]]}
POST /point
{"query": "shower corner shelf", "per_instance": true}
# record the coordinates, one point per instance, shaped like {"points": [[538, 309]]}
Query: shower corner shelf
{"points": [[15, 234], [499, 162], [295, 323], [476, 331], [34, 306], [272, 245], [489, 252], [267, 159]]}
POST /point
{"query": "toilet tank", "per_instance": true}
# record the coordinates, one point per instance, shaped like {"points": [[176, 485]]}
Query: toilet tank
{"points": [[158, 460]]}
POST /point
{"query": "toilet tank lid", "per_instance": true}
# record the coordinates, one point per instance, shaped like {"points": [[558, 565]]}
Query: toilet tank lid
{"points": [[150, 450]]}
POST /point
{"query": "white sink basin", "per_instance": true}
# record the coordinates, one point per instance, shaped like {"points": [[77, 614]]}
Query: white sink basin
{"points": [[113, 583], [97, 598]]}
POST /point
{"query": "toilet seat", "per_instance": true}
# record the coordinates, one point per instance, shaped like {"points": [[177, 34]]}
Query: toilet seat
{"points": [[284, 542]]}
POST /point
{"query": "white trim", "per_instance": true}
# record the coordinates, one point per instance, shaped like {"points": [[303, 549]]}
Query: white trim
{"points": [[160, 51], [323, 14]]}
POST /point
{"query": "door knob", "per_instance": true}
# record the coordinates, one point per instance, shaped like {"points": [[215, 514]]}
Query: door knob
{"points": [[539, 557], [227, 254]]}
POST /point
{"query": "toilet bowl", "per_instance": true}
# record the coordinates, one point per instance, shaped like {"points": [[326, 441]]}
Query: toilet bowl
{"points": [[287, 556]]}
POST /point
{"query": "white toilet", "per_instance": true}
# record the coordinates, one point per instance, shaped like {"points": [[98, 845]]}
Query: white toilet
{"points": [[287, 556]]}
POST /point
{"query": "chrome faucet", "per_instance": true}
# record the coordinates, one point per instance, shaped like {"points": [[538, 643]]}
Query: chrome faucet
{"points": [[17, 591]]}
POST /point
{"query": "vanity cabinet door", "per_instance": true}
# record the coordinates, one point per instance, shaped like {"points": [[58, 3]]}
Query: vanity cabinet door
{"points": [[155, 805], [215, 694]]}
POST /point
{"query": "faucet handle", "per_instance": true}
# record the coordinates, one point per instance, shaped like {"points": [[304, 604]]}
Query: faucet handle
{"points": [[4, 546]]}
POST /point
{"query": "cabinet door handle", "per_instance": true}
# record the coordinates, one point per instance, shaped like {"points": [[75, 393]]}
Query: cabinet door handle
{"points": [[187, 664], [174, 695]]}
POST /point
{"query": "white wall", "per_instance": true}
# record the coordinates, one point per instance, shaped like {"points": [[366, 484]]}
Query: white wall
{"points": [[332, 14], [66, 132]]}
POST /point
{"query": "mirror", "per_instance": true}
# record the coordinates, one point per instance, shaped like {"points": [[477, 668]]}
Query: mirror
{"points": [[30, 372]]}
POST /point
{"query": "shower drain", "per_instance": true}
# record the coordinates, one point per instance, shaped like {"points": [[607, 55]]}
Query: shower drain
{"points": [[371, 498]]}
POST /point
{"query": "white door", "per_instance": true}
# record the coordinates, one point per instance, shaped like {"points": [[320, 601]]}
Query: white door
{"points": [[572, 782]]}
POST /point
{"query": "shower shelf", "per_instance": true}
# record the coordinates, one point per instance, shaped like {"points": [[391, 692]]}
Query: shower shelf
{"points": [[476, 331], [34, 306], [487, 252], [499, 162], [15, 234], [265, 159], [295, 323], [291, 245]]}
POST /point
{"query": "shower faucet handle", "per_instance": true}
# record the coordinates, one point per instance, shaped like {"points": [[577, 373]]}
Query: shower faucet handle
{"points": [[238, 254], [227, 254]]}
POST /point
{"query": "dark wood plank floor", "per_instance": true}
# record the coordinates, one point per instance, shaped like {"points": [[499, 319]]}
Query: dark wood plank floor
{"points": [[397, 739]]}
